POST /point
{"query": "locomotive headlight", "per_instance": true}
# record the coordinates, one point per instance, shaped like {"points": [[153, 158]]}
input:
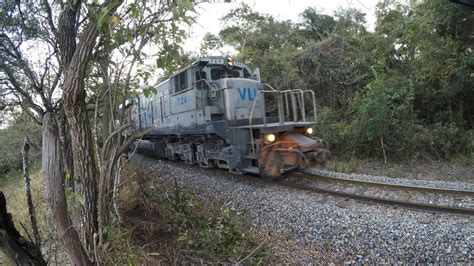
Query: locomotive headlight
{"points": [[229, 62], [270, 137], [309, 130]]}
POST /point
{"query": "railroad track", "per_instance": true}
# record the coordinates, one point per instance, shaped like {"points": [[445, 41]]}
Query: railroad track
{"points": [[383, 187], [332, 187]]}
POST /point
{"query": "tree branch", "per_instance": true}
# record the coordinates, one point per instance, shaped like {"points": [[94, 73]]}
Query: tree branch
{"points": [[129, 141]]}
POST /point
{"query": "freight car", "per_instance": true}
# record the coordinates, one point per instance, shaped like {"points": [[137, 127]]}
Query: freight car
{"points": [[217, 113]]}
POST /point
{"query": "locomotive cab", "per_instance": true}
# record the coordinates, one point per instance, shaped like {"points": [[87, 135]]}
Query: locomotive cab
{"points": [[217, 113]]}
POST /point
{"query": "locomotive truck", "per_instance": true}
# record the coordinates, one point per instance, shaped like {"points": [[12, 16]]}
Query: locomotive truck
{"points": [[217, 113]]}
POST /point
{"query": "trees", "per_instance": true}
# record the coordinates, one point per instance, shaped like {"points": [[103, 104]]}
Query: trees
{"points": [[11, 142], [144, 24], [83, 39], [407, 84], [315, 25]]}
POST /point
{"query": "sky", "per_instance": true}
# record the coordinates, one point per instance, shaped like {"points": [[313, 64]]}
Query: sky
{"points": [[209, 13]]}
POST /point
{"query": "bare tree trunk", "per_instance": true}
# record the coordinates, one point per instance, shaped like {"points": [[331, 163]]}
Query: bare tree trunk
{"points": [[26, 176], [383, 150], [85, 170], [55, 195], [115, 195], [66, 151], [108, 169], [75, 61], [12, 244], [85, 167]]}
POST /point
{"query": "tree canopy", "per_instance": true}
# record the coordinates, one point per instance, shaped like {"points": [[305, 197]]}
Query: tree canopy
{"points": [[404, 89]]}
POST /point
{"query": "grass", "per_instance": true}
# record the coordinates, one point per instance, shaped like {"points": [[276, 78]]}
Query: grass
{"points": [[12, 186], [465, 159]]}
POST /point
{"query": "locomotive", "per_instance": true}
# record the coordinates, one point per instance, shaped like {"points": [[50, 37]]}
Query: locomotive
{"points": [[217, 113]]}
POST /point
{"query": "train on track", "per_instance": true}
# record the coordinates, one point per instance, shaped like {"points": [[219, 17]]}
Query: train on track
{"points": [[217, 113]]}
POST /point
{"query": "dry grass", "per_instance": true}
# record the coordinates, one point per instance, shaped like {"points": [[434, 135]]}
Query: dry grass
{"points": [[14, 190]]}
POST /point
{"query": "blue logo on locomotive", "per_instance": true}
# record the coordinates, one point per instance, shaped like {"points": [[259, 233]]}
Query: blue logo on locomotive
{"points": [[247, 94]]}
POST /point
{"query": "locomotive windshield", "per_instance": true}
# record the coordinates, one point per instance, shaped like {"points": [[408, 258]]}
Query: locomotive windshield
{"points": [[221, 72]]}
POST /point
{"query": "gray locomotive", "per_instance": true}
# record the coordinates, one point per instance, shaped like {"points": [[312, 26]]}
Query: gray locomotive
{"points": [[217, 113]]}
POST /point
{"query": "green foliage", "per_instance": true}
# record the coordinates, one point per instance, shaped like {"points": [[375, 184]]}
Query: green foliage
{"points": [[315, 25], [74, 196], [148, 91], [447, 140], [173, 59], [334, 131], [11, 143], [349, 21], [384, 114], [336, 69], [11, 19], [209, 42], [214, 233], [405, 89]]}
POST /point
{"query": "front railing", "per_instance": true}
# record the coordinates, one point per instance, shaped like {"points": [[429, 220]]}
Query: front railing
{"points": [[284, 99]]}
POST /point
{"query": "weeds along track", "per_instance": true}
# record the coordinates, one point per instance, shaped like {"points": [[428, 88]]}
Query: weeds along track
{"points": [[408, 196]]}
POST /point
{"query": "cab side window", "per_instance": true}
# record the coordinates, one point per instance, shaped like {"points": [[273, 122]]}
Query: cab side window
{"points": [[217, 73], [180, 82], [200, 75], [246, 73]]}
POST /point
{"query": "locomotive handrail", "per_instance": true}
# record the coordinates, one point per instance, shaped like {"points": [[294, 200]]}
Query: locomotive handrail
{"points": [[314, 103], [303, 111], [251, 117], [268, 85], [300, 92], [302, 103]]}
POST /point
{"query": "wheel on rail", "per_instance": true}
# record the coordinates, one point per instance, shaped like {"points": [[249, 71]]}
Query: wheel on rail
{"points": [[270, 168]]}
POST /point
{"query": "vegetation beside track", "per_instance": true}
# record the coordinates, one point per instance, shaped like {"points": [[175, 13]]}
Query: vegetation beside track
{"points": [[161, 223]]}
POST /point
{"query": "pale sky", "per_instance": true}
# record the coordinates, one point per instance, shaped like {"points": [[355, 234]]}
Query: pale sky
{"points": [[209, 13]]}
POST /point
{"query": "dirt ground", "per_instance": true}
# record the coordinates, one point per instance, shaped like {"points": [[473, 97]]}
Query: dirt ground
{"points": [[427, 170]]}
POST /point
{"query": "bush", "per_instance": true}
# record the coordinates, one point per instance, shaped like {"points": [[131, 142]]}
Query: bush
{"points": [[448, 140], [385, 113], [335, 132], [215, 234]]}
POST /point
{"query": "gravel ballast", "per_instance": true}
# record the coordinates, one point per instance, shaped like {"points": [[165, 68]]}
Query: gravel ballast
{"points": [[391, 180], [306, 227]]}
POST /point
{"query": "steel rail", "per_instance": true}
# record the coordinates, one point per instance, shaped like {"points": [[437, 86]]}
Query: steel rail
{"points": [[405, 204], [388, 185], [358, 197]]}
